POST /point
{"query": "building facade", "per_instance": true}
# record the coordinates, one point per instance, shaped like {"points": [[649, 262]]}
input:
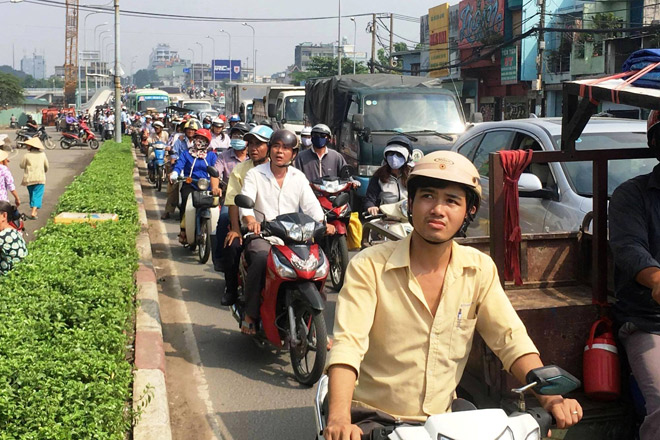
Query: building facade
{"points": [[163, 56], [304, 52], [34, 66]]}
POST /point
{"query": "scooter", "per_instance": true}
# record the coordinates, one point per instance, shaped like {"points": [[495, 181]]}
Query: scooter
{"points": [[292, 304], [70, 139], [23, 134], [156, 165], [466, 422], [327, 189], [390, 224], [201, 215]]}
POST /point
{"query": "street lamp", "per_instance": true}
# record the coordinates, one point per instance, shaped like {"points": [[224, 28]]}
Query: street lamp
{"points": [[104, 66], [132, 70], [213, 61], [254, 70], [192, 68], [100, 60], [230, 68], [86, 63], [202, 47], [354, 41]]}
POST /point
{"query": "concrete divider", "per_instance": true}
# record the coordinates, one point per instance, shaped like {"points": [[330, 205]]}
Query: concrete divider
{"points": [[149, 390]]}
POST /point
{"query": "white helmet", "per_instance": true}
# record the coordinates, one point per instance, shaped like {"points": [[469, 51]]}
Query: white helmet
{"points": [[218, 122], [306, 131]]}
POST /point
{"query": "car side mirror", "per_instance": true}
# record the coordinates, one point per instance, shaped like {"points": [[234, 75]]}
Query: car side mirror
{"points": [[552, 380], [530, 186], [243, 201], [358, 122]]}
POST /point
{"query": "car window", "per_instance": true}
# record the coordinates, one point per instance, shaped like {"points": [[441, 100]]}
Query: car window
{"points": [[493, 141], [352, 109], [541, 170], [468, 148]]}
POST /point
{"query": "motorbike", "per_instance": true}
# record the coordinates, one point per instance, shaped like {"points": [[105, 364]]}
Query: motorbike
{"points": [[156, 165], [335, 246], [390, 224], [466, 422], [71, 139], [23, 134], [200, 215], [292, 303]]}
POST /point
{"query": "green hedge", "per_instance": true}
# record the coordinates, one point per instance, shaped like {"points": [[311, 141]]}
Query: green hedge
{"points": [[66, 315]]}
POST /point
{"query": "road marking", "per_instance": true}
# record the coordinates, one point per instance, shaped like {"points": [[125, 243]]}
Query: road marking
{"points": [[215, 421]]}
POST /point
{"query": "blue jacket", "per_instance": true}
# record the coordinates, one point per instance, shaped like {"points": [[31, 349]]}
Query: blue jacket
{"points": [[187, 163]]}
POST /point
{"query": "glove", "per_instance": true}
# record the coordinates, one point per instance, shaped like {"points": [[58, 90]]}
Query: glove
{"points": [[173, 176]]}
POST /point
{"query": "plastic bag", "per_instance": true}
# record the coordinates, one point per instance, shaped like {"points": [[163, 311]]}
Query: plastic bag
{"points": [[354, 236]]}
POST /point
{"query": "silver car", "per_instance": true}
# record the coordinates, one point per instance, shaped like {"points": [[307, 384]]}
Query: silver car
{"points": [[554, 197]]}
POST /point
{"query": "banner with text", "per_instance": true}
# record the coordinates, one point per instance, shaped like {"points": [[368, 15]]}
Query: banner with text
{"points": [[439, 40], [223, 70]]}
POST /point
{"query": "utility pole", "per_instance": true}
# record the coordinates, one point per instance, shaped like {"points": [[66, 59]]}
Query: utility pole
{"points": [[118, 72], [339, 40], [391, 39], [373, 41], [539, 62]]}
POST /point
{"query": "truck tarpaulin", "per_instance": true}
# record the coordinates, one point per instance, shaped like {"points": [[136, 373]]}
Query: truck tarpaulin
{"points": [[326, 98]]}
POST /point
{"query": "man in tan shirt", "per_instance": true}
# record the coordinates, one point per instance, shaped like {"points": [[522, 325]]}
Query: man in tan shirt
{"points": [[407, 313]]}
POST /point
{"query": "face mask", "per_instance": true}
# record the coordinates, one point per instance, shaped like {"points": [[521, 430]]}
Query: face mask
{"points": [[207, 126], [238, 144], [307, 142], [395, 161], [319, 142]]}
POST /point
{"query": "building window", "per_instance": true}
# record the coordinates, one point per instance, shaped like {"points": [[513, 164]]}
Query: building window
{"points": [[414, 69]]}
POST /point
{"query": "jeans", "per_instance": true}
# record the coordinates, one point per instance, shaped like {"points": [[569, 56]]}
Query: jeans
{"points": [[643, 350]]}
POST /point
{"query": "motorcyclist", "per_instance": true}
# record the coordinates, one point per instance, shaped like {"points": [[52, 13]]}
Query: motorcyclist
{"points": [[227, 161], [392, 176], [71, 122], [408, 310], [276, 188], [193, 163], [220, 140], [306, 137], [31, 124], [147, 125], [233, 120], [257, 150], [320, 161], [158, 136], [206, 122], [183, 143]]}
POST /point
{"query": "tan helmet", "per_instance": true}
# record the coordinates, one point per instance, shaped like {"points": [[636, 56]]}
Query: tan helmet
{"points": [[449, 166]]}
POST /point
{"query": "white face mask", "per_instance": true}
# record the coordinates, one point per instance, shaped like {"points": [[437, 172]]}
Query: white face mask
{"points": [[395, 161], [307, 142]]}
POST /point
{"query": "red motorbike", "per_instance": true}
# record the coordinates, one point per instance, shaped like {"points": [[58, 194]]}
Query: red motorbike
{"points": [[72, 139], [291, 301], [327, 190], [17, 221]]}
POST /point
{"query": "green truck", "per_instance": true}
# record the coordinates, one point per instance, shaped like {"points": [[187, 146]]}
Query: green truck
{"points": [[364, 111]]}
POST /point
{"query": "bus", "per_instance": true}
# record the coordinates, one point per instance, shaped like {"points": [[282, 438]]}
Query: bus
{"points": [[142, 99]]}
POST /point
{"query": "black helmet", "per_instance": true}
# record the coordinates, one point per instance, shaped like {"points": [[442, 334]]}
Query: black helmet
{"points": [[241, 127], [267, 123], [288, 138], [321, 129]]}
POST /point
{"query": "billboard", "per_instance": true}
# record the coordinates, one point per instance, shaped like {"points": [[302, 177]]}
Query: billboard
{"points": [[509, 65], [439, 40], [222, 70], [479, 22]]}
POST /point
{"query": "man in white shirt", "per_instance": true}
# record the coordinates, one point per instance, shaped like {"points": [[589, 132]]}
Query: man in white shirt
{"points": [[276, 188]]}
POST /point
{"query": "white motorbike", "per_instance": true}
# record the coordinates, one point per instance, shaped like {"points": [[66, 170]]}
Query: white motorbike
{"points": [[390, 224], [466, 422]]}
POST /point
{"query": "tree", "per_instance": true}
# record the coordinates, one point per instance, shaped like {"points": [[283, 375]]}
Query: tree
{"points": [[326, 66], [144, 77], [11, 92]]}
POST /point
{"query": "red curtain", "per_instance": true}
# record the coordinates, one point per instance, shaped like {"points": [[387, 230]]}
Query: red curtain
{"points": [[513, 164]]}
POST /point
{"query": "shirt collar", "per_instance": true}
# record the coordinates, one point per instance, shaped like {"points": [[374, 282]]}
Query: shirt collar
{"points": [[654, 181], [460, 259]]}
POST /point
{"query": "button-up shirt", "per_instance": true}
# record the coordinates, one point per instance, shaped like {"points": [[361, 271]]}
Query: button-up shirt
{"points": [[226, 162], [314, 167], [6, 182], [410, 362], [634, 217], [182, 144], [235, 183], [271, 200]]}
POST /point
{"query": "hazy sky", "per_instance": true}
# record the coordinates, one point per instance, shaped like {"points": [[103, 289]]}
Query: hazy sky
{"points": [[29, 27]]}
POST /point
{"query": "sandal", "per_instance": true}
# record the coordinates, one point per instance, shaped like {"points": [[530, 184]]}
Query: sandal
{"points": [[182, 237], [247, 328]]}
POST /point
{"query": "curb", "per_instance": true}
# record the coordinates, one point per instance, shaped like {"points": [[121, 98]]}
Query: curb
{"points": [[149, 372]]}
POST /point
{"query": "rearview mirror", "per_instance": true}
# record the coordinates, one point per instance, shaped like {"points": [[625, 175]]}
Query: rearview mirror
{"points": [[346, 172], [243, 201], [213, 171], [552, 380], [358, 122], [340, 200]]}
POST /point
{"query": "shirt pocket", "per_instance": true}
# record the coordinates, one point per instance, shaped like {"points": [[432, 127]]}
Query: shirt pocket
{"points": [[461, 337]]}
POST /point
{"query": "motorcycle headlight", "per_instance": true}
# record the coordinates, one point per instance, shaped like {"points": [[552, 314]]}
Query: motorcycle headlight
{"points": [[203, 184], [282, 269], [308, 230], [323, 267]]}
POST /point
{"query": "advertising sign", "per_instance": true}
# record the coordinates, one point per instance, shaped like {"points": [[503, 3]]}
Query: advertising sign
{"points": [[439, 40], [479, 21], [509, 66], [222, 70]]}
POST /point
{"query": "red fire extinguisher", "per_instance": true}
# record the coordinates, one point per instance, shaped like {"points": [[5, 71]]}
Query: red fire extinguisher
{"points": [[600, 366]]}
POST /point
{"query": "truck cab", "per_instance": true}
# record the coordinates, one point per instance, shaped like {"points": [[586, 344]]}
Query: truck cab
{"points": [[290, 110]]}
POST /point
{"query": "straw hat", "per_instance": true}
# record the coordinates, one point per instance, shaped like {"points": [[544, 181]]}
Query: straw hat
{"points": [[34, 142], [3, 155]]}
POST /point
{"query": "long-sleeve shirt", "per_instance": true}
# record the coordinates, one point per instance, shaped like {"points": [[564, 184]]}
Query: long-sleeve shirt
{"points": [[295, 195], [634, 220], [226, 162], [376, 188], [219, 143], [35, 165], [182, 144], [189, 166], [328, 165], [409, 361], [6, 183]]}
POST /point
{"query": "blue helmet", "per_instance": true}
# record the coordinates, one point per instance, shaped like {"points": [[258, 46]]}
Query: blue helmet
{"points": [[260, 132], [235, 118]]}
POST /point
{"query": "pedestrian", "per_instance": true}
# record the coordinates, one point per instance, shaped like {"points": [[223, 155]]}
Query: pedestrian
{"points": [[7, 180], [35, 164], [12, 245]]}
